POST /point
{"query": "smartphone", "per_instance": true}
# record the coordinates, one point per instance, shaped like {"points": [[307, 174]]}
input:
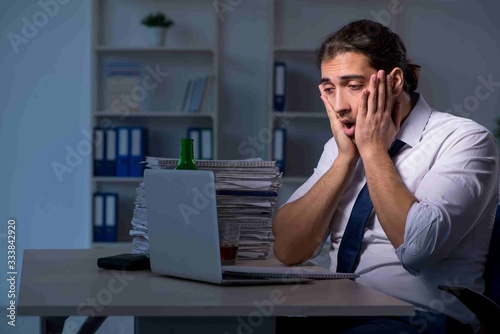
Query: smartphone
{"points": [[124, 262]]}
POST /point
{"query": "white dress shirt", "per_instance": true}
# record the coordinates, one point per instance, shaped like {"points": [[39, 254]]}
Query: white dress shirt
{"points": [[451, 166]]}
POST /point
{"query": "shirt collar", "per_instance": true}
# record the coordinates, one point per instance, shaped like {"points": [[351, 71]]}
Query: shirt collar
{"points": [[412, 128]]}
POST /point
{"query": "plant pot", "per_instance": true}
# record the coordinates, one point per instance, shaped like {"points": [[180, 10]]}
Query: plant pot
{"points": [[158, 36]]}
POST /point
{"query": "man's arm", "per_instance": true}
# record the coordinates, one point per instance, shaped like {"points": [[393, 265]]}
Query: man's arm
{"points": [[457, 194], [300, 226], [391, 199], [378, 121]]}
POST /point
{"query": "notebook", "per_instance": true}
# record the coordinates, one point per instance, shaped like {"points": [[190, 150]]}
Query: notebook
{"points": [[213, 164], [184, 236]]}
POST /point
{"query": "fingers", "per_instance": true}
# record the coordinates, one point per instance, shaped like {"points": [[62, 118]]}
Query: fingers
{"points": [[390, 95], [381, 80], [327, 104], [372, 96], [334, 120], [329, 110], [363, 104]]}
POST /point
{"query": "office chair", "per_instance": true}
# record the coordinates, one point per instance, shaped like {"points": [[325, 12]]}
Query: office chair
{"points": [[485, 306]]}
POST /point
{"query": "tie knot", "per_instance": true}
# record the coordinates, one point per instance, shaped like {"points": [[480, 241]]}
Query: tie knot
{"points": [[396, 147]]}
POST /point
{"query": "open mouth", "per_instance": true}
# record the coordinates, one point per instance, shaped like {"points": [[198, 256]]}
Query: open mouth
{"points": [[349, 128]]}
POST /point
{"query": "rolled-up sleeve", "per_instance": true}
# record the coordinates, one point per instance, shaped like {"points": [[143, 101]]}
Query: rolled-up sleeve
{"points": [[452, 197], [325, 162]]}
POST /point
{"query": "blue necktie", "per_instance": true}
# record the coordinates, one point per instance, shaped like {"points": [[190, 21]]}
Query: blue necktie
{"points": [[350, 246]]}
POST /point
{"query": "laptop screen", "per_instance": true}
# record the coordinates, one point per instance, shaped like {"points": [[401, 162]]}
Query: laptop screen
{"points": [[182, 224]]}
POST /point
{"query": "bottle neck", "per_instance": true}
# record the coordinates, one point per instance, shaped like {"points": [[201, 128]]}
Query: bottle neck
{"points": [[187, 154], [186, 157]]}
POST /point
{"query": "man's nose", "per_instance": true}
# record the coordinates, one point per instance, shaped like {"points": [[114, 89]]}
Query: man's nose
{"points": [[341, 105]]}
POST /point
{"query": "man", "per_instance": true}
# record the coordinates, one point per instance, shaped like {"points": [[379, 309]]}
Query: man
{"points": [[431, 177]]}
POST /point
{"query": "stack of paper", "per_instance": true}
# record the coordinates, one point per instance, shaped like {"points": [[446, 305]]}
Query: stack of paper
{"points": [[139, 232], [246, 195]]}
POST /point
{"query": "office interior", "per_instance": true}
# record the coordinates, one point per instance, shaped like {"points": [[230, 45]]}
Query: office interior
{"points": [[51, 58]]}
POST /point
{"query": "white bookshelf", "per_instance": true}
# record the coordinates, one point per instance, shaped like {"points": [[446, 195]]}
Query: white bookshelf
{"points": [[192, 50], [294, 41], [155, 114], [299, 114], [125, 49]]}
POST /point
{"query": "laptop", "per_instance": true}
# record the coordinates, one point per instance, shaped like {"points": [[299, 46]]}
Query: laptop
{"points": [[183, 229]]}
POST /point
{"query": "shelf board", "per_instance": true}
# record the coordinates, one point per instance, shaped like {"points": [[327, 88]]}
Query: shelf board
{"points": [[294, 50], [147, 114], [116, 244], [299, 114], [151, 49], [294, 179], [117, 179]]}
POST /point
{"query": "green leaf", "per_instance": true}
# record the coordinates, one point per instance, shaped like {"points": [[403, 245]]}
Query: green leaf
{"points": [[157, 20]]}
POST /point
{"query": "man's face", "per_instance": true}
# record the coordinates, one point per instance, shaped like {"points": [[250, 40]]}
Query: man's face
{"points": [[343, 79]]}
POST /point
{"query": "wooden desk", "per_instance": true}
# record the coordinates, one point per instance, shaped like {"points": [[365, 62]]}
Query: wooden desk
{"points": [[68, 282]]}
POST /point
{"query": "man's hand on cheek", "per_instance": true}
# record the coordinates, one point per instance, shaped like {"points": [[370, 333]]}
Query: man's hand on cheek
{"points": [[379, 116], [345, 145]]}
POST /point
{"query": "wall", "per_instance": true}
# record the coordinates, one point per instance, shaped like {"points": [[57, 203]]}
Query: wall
{"points": [[244, 64], [44, 89], [456, 43]]}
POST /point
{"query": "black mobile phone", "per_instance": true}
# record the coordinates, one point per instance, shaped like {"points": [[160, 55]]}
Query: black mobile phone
{"points": [[124, 262]]}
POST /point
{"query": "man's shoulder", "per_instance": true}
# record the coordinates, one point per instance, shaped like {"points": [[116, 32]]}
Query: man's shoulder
{"points": [[447, 123]]}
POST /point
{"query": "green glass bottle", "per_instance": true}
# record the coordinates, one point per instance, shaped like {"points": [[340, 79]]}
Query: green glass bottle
{"points": [[186, 158]]}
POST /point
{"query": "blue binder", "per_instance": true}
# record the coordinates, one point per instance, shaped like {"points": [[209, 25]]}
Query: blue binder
{"points": [[110, 216], [279, 86], [137, 150], [122, 150], [99, 152], [98, 220], [206, 144], [194, 134], [109, 152], [279, 140]]}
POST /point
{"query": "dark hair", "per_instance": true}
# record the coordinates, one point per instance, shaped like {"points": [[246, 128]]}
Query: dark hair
{"points": [[383, 48]]}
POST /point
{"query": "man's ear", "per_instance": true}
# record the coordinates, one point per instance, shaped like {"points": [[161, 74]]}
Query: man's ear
{"points": [[398, 81]]}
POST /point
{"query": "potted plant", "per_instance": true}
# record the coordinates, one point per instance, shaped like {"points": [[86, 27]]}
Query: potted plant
{"points": [[159, 23]]}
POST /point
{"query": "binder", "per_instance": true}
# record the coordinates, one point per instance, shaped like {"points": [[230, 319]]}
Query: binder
{"points": [[110, 210], [99, 148], [122, 151], [98, 217], [279, 86], [279, 148], [206, 143], [194, 134], [110, 152], [138, 146]]}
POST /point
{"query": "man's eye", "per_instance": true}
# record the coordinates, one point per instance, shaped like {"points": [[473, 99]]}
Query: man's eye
{"points": [[328, 91], [355, 87]]}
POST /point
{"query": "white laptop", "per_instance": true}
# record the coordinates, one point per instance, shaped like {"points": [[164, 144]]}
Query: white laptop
{"points": [[183, 229]]}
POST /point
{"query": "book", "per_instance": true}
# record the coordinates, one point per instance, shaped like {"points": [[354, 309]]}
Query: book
{"points": [[121, 82], [312, 272], [172, 162]]}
